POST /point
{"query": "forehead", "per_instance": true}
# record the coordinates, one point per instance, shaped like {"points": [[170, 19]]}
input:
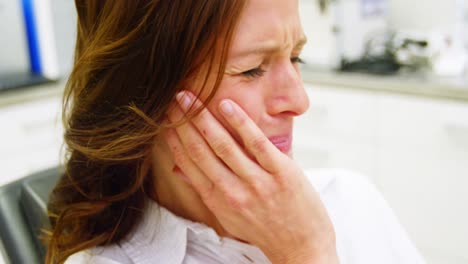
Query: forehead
{"points": [[268, 21]]}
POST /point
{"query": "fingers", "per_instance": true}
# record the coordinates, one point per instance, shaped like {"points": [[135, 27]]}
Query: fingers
{"points": [[197, 153], [269, 157], [221, 143], [200, 182], [210, 184]]}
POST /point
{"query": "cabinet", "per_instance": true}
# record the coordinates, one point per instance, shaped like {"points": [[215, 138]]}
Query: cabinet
{"points": [[423, 171], [30, 138], [414, 149], [338, 130]]}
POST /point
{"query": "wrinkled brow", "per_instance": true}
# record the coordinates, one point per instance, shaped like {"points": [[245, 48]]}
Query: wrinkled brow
{"points": [[270, 47]]}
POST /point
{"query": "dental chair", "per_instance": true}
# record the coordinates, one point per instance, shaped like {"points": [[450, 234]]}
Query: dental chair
{"points": [[23, 214]]}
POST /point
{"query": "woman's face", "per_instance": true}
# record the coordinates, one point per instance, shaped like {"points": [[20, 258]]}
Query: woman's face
{"points": [[262, 76], [262, 71]]}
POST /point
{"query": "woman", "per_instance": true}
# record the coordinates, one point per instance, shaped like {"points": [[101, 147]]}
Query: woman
{"points": [[145, 184]]}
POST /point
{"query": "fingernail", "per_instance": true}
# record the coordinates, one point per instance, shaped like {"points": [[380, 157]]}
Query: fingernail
{"points": [[184, 100], [227, 108]]}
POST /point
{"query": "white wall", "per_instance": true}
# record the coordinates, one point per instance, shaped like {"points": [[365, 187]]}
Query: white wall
{"points": [[422, 14], [65, 32], [14, 54], [321, 46]]}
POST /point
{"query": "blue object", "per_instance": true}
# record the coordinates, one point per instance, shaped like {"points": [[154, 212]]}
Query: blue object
{"points": [[32, 36]]}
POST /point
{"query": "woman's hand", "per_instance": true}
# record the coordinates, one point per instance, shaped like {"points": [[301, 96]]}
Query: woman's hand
{"points": [[258, 194]]}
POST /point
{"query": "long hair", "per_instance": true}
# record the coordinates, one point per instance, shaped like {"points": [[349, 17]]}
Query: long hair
{"points": [[131, 59]]}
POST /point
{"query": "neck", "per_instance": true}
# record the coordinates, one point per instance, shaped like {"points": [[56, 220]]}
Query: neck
{"points": [[180, 198]]}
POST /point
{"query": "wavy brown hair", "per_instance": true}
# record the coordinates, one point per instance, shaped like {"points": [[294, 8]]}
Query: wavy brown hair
{"points": [[131, 58]]}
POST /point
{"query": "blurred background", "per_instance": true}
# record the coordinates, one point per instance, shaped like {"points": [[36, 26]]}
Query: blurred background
{"points": [[387, 80]]}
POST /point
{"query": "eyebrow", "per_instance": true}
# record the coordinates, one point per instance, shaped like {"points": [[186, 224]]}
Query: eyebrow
{"points": [[271, 47]]}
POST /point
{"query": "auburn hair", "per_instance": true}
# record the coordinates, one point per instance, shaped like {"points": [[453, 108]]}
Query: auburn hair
{"points": [[131, 59]]}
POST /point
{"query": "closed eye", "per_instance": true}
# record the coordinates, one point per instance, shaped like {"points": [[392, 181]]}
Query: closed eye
{"points": [[297, 60], [257, 72]]}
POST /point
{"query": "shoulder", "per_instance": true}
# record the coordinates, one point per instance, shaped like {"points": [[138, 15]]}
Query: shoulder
{"points": [[341, 181], [366, 227], [100, 255], [354, 195], [159, 235], [350, 194]]}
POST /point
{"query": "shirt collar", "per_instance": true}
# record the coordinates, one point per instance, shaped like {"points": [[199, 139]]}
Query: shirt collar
{"points": [[160, 236], [167, 238]]}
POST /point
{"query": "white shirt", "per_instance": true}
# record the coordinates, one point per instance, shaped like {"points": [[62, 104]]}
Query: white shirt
{"points": [[367, 232]]}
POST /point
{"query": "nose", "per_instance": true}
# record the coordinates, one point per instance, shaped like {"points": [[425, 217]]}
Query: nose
{"points": [[288, 95]]}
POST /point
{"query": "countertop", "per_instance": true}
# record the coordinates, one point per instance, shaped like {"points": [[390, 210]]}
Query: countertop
{"points": [[31, 93], [418, 84]]}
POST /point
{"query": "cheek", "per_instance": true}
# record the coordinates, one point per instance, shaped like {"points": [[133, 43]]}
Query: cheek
{"points": [[250, 100], [248, 97]]}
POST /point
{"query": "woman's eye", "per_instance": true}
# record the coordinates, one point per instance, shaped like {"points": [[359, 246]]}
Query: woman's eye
{"points": [[257, 72], [297, 60]]}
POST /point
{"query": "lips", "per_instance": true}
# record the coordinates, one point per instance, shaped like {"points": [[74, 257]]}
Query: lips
{"points": [[282, 142]]}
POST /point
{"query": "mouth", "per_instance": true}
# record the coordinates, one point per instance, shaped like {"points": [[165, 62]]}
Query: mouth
{"points": [[282, 142]]}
